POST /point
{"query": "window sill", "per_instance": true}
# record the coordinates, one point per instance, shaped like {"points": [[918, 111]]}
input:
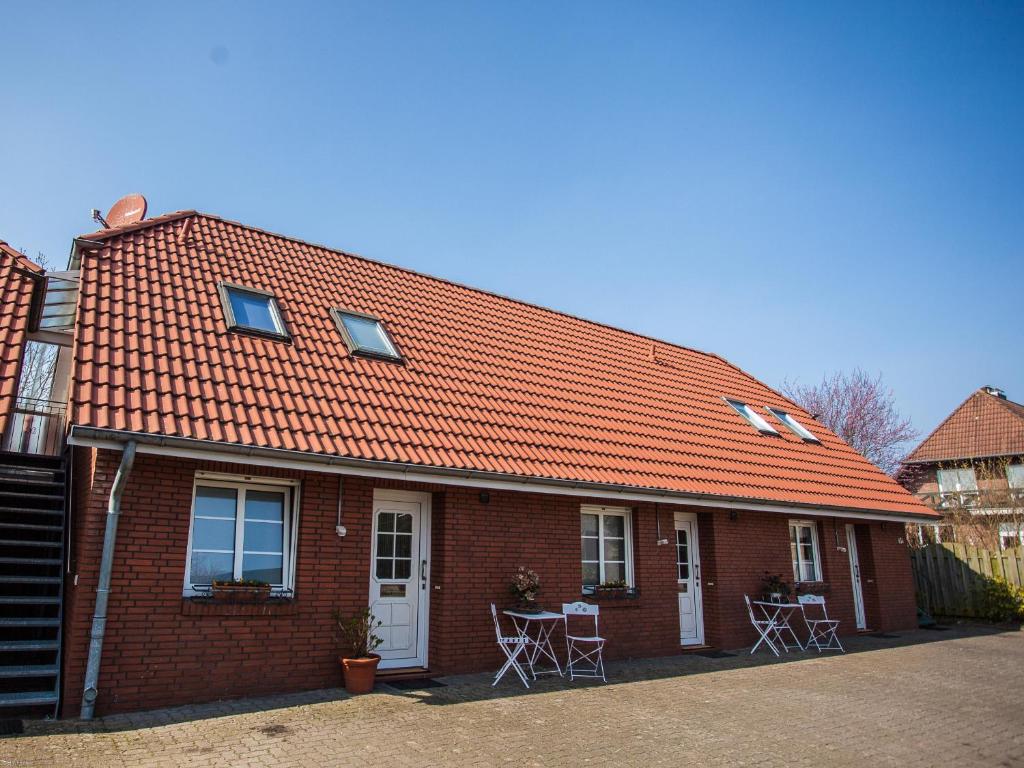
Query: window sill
{"points": [[611, 595], [205, 606]]}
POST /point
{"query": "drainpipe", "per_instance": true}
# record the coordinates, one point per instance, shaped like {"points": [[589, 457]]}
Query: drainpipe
{"points": [[99, 617]]}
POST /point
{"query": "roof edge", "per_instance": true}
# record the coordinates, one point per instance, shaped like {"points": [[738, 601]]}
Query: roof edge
{"points": [[187, 447]]}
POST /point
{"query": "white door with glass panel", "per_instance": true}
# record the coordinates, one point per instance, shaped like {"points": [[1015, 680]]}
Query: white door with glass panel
{"points": [[858, 593], [240, 530], [691, 609], [398, 581]]}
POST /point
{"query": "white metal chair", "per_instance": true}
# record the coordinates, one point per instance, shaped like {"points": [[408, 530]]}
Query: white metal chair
{"points": [[591, 660], [765, 628], [511, 647], [822, 628]]}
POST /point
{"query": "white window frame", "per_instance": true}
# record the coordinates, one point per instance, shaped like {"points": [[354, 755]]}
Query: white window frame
{"points": [[793, 425], [958, 472], [815, 547], [627, 532], [392, 353], [1015, 469], [242, 483], [752, 417], [1008, 530]]}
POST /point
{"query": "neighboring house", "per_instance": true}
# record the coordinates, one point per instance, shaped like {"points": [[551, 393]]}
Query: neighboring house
{"points": [[359, 434], [971, 470]]}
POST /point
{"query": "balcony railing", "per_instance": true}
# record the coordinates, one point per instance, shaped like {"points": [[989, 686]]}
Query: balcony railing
{"points": [[975, 501], [36, 426]]}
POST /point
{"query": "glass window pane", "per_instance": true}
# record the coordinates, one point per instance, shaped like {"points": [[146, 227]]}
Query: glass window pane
{"points": [[252, 310], [367, 334], [805, 534], [684, 571], [264, 505], [403, 545], [213, 534], [385, 545], [588, 525], [211, 566], [403, 569], [1015, 475], [808, 571], [614, 549], [266, 568], [590, 549], [385, 568], [386, 521], [614, 526], [591, 574], [614, 572], [216, 502], [404, 524], [263, 537]]}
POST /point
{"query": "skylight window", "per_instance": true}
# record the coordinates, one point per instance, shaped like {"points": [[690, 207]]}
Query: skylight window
{"points": [[795, 426], [365, 335], [250, 309], [756, 420]]}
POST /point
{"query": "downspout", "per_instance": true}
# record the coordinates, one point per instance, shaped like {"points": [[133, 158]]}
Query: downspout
{"points": [[99, 617]]}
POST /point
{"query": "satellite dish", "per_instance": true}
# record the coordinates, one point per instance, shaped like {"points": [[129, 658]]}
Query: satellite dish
{"points": [[128, 210]]}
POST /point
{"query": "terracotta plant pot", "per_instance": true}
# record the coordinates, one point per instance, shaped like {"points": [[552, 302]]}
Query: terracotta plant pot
{"points": [[360, 673]]}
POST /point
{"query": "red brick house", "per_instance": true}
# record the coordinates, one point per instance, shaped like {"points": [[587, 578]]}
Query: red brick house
{"points": [[970, 469], [359, 434]]}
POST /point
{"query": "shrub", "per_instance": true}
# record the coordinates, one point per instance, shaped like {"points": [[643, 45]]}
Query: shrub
{"points": [[1001, 601]]}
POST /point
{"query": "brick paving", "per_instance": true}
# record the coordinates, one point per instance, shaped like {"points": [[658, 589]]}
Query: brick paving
{"points": [[919, 699]]}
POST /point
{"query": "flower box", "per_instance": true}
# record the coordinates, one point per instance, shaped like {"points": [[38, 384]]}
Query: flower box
{"points": [[230, 592]]}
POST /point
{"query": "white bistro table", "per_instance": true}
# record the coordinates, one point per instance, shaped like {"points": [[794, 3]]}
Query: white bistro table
{"points": [[538, 645], [780, 614]]}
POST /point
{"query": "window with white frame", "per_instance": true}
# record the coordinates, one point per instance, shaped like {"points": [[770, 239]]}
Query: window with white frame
{"points": [[1015, 475], [794, 426], [954, 480], [803, 544], [756, 420], [607, 551], [240, 530], [1011, 535]]}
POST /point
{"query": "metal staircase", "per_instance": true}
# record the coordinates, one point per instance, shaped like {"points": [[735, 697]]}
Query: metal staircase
{"points": [[32, 524]]}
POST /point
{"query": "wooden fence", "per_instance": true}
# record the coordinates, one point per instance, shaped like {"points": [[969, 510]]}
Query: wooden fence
{"points": [[949, 576]]}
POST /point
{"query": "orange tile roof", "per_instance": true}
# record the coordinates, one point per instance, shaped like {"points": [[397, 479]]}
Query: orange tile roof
{"points": [[488, 383], [982, 425], [16, 300]]}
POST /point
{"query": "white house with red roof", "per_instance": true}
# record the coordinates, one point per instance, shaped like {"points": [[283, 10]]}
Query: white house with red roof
{"points": [[248, 406]]}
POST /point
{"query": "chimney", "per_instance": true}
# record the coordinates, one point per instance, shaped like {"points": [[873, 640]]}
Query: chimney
{"points": [[994, 391]]}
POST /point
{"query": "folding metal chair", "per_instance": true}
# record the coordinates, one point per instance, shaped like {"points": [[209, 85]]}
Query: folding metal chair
{"points": [[765, 628], [511, 647], [592, 660], [822, 628]]}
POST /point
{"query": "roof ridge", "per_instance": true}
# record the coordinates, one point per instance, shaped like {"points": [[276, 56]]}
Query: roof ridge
{"points": [[164, 218]]}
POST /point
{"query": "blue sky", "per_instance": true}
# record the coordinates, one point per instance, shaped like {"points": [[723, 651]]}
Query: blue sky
{"points": [[799, 187]]}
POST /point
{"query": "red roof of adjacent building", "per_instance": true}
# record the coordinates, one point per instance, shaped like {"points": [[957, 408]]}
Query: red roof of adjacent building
{"points": [[488, 383], [16, 298], [985, 424]]}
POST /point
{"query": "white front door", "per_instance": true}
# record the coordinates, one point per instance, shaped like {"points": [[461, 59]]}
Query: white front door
{"points": [[858, 594], [399, 575], [691, 610]]}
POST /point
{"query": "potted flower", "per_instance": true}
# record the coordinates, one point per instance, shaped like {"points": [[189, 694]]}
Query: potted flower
{"points": [[525, 585], [774, 589], [238, 590], [358, 643]]}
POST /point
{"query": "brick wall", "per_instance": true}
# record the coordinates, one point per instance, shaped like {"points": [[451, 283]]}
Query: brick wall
{"points": [[161, 650]]}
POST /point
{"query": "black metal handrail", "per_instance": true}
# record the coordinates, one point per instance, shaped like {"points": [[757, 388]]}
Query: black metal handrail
{"points": [[36, 426]]}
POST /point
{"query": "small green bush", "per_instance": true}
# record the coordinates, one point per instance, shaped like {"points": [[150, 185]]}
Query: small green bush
{"points": [[1001, 601]]}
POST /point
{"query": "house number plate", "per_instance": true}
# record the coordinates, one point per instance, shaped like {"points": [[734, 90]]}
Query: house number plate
{"points": [[392, 590]]}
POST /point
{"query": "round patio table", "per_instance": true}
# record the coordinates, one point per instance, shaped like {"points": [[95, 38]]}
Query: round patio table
{"points": [[538, 645]]}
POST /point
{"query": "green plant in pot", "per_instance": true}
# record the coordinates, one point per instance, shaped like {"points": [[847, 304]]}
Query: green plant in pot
{"points": [[358, 643], [775, 590]]}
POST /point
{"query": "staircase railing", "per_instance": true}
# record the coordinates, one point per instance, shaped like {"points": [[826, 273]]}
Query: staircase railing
{"points": [[36, 426]]}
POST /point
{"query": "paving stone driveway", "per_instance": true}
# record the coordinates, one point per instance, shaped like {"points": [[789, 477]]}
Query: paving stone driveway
{"points": [[924, 698]]}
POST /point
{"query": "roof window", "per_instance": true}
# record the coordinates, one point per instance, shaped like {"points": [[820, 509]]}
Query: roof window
{"points": [[795, 426], [252, 310], [365, 335], [753, 417]]}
